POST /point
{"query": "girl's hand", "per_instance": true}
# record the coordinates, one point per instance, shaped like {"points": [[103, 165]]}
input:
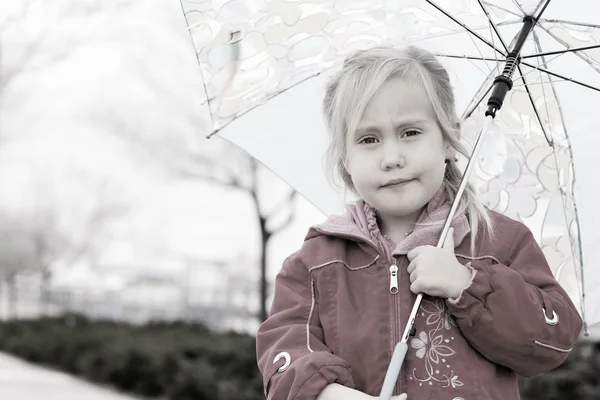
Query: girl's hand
{"points": [[335, 391], [437, 272], [403, 396]]}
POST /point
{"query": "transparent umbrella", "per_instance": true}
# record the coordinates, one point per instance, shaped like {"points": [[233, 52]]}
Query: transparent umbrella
{"points": [[265, 63]]}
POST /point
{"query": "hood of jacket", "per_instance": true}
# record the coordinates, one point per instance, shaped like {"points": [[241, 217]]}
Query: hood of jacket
{"points": [[360, 223]]}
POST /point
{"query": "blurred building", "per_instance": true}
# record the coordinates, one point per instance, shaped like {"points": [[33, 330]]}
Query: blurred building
{"points": [[214, 292]]}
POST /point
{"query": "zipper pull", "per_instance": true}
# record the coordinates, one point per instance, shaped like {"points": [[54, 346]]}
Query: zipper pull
{"points": [[393, 279]]}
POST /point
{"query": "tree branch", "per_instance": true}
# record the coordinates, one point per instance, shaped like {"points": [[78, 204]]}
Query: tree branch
{"points": [[284, 202], [285, 223]]}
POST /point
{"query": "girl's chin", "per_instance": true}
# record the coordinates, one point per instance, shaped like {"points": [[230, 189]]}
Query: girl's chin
{"points": [[396, 211]]}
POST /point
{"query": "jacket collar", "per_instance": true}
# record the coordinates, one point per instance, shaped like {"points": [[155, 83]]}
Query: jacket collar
{"points": [[359, 223]]}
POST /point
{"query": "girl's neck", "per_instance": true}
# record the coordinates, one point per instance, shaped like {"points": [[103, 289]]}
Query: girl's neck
{"points": [[397, 228]]}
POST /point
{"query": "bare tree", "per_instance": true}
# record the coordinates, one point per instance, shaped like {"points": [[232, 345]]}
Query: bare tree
{"points": [[220, 163], [64, 223], [16, 255], [247, 178], [37, 34], [69, 227], [161, 110]]}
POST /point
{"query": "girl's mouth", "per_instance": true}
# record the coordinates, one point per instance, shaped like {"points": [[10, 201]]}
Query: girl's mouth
{"points": [[398, 184]]}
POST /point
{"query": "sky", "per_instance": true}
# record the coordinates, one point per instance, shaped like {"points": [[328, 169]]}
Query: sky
{"points": [[131, 72], [60, 123]]}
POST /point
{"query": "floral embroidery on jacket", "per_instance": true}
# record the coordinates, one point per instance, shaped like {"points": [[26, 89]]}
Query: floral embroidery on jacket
{"points": [[432, 346]]}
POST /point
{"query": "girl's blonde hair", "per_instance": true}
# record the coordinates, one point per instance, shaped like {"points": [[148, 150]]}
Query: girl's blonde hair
{"points": [[351, 89]]}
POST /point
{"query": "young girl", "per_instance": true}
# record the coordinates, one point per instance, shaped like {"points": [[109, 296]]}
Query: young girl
{"points": [[491, 307]]}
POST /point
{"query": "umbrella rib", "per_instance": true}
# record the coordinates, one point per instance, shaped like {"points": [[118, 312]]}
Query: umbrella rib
{"points": [[535, 83], [570, 150], [502, 8], [487, 14], [537, 18], [537, 114], [562, 42], [572, 49], [471, 31], [564, 21], [466, 57], [191, 39], [520, 7], [477, 100], [561, 76]]}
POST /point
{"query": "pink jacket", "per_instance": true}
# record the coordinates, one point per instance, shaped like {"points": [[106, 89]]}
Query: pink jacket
{"points": [[334, 319]]}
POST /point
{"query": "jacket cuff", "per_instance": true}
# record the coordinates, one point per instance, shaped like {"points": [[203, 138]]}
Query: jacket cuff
{"points": [[473, 273], [307, 377], [472, 300]]}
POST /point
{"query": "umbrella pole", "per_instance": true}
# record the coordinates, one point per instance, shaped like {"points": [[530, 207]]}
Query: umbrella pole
{"points": [[402, 346], [502, 85]]}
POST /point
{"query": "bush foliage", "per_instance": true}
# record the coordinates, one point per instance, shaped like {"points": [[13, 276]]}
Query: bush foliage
{"points": [[185, 361]]}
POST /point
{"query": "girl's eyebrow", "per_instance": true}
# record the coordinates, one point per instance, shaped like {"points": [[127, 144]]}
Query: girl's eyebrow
{"points": [[397, 124]]}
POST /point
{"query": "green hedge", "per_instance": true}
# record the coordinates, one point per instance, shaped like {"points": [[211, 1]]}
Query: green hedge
{"points": [[177, 361], [183, 361]]}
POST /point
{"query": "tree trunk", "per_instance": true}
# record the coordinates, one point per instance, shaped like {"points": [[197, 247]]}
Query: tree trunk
{"points": [[44, 295], [12, 297], [264, 241], [2, 315]]}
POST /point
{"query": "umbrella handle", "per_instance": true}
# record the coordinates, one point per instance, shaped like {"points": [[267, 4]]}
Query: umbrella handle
{"points": [[393, 370], [402, 347]]}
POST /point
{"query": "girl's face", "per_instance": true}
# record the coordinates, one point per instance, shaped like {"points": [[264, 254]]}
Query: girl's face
{"points": [[398, 139]]}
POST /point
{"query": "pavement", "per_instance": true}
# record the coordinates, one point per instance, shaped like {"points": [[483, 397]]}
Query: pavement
{"points": [[20, 380]]}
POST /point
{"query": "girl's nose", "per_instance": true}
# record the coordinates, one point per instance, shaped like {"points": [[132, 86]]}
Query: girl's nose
{"points": [[392, 156]]}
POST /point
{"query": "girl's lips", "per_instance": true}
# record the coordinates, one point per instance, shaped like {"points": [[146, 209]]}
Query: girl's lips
{"points": [[396, 185]]}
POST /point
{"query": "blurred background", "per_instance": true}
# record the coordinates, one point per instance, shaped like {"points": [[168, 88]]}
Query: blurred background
{"points": [[135, 253]]}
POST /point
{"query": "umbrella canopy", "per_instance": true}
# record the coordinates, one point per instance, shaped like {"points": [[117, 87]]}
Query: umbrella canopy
{"points": [[265, 64]]}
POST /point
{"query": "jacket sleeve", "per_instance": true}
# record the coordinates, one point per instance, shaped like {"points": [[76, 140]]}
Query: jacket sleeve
{"points": [[293, 329], [508, 312]]}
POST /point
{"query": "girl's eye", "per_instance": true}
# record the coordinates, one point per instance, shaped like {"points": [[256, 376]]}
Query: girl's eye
{"points": [[411, 133], [368, 140]]}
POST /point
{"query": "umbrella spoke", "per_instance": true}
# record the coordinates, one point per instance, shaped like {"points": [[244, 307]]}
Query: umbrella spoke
{"points": [[575, 23], [479, 96], [466, 57], [506, 10], [561, 76], [493, 26], [535, 109], [562, 42], [519, 6], [545, 63], [481, 93], [470, 58], [536, 83], [471, 31], [537, 18], [573, 49], [481, 54]]}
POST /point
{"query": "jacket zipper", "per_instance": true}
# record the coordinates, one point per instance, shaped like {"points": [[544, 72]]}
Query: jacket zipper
{"points": [[394, 293], [393, 279], [393, 289]]}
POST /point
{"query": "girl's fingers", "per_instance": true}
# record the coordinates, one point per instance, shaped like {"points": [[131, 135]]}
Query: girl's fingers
{"points": [[411, 267], [413, 277]]}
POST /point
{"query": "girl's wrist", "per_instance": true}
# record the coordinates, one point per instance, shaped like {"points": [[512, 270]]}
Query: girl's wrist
{"points": [[463, 281], [335, 391]]}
